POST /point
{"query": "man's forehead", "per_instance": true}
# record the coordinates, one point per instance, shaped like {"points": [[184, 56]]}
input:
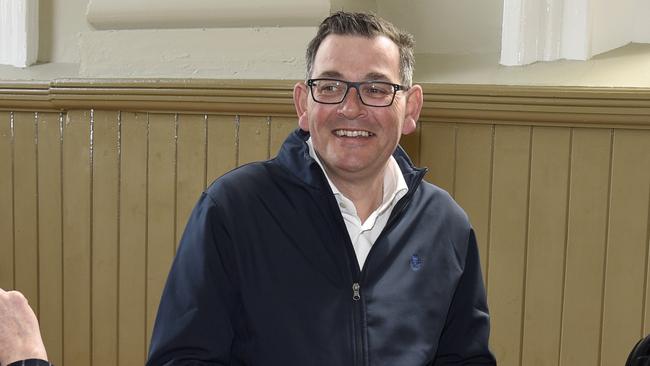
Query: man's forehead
{"points": [[378, 76], [375, 58]]}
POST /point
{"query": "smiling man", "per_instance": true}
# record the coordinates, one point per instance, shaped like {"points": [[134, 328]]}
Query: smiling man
{"points": [[336, 252]]}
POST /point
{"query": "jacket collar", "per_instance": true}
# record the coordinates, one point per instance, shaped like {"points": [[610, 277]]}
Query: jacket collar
{"points": [[294, 156]]}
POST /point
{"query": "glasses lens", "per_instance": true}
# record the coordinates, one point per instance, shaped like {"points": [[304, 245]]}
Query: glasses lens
{"points": [[377, 93], [329, 91]]}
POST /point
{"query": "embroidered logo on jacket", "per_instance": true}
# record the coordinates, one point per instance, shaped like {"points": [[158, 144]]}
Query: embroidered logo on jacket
{"points": [[416, 262]]}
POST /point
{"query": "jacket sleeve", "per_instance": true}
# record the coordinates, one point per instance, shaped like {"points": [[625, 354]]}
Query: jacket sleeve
{"points": [[464, 340], [194, 324]]}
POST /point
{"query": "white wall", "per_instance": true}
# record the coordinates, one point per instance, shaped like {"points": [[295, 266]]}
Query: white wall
{"points": [[448, 26], [458, 41]]}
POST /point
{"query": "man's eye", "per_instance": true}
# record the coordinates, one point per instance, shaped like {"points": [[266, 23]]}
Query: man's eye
{"points": [[329, 88], [376, 90]]}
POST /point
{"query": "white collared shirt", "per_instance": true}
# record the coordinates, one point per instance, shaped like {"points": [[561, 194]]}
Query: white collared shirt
{"points": [[363, 235]]}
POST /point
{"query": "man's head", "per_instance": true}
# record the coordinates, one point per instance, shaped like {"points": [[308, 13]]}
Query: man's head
{"points": [[356, 103], [368, 26]]}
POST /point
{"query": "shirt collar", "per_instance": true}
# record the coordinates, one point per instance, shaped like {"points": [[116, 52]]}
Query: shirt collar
{"points": [[394, 184]]}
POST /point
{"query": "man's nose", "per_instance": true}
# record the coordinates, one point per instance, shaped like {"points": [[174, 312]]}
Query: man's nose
{"points": [[351, 105]]}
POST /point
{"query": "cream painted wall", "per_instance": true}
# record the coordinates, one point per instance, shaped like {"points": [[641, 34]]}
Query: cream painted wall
{"points": [[458, 41], [448, 26], [61, 25]]}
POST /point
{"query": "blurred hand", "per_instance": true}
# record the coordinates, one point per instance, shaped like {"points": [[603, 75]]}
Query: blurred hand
{"points": [[20, 337]]}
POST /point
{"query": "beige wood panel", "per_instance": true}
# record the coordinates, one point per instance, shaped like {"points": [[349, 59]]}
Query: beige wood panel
{"points": [[583, 284], [549, 182], [253, 139], [222, 146], [190, 166], [507, 253], [411, 144], [280, 130], [438, 153], [105, 229], [6, 203], [473, 181], [132, 239], [49, 233], [626, 245], [161, 210], [646, 316], [76, 202], [25, 207]]}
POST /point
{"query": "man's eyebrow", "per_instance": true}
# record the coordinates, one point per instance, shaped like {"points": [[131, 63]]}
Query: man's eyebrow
{"points": [[330, 74], [377, 76]]}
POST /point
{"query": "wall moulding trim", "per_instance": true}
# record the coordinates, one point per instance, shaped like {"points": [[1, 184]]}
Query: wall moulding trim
{"points": [[527, 105]]}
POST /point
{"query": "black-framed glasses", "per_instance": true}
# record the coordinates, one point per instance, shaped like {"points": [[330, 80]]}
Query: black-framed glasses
{"points": [[371, 93]]}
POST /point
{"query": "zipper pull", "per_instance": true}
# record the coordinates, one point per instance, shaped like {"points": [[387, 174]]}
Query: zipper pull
{"points": [[356, 291]]}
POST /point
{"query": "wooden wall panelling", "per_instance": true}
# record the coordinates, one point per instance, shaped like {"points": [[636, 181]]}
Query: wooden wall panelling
{"points": [[253, 139], [473, 181], [281, 127], [438, 153], [222, 146], [76, 202], [550, 159], [6, 202], [508, 236], [50, 242], [132, 238], [585, 255], [161, 235], [411, 144], [646, 315], [190, 166], [626, 245], [25, 207], [105, 232]]}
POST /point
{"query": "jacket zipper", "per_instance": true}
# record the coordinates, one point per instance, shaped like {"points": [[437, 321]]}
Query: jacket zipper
{"points": [[358, 274]]}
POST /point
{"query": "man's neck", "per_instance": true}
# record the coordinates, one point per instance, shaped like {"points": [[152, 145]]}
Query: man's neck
{"points": [[365, 192]]}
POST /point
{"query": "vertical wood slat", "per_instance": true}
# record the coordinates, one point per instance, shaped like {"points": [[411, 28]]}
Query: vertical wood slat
{"points": [[411, 144], [160, 209], [76, 239], [132, 239], [473, 179], [585, 254], [190, 167], [550, 155], [6, 203], [280, 129], [253, 139], [25, 207], [439, 154], [106, 180], [626, 245], [49, 233], [222, 146], [508, 240]]}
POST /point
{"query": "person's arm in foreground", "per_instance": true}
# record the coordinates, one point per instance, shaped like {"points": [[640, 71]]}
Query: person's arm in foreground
{"points": [[20, 337], [193, 325], [464, 340]]}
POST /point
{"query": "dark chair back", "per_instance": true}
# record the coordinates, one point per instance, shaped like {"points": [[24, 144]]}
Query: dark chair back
{"points": [[640, 355]]}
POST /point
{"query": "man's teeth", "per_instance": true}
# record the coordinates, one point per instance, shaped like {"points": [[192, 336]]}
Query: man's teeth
{"points": [[349, 133]]}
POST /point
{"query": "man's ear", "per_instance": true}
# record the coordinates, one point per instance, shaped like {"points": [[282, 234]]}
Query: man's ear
{"points": [[300, 93], [414, 102]]}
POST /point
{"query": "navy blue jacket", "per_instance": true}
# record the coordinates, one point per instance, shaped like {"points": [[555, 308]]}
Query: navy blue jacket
{"points": [[266, 274]]}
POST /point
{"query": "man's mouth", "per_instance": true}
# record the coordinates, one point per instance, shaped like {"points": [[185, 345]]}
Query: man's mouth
{"points": [[353, 133]]}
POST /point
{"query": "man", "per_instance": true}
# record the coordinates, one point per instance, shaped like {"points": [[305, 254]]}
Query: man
{"points": [[20, 338], [336, 252]]}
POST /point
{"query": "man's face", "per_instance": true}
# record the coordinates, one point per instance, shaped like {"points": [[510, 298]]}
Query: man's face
{"points": [[354, 141]]}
